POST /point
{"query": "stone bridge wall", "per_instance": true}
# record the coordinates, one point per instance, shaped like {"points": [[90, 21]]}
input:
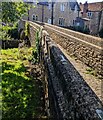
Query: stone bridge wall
{"points": [[88, 38], [86, 48], [73, 98], [70, 97], [33, 28]]}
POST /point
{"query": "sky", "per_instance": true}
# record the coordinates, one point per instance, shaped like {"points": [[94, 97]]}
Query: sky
{"points": [[89, 1]]}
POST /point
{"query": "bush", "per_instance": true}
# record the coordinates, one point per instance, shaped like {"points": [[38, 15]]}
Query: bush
{"points": [[86, 30], [101, 33], [79, 29]]}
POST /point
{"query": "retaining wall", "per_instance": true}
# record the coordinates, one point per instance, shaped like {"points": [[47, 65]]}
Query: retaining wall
{"points": [[5, 44]]}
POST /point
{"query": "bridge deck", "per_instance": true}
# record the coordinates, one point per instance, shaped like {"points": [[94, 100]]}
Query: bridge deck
{"points": [[94, 82]]}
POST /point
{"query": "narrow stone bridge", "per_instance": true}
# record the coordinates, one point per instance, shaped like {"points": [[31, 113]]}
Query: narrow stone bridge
{"points": [[68, 96]]}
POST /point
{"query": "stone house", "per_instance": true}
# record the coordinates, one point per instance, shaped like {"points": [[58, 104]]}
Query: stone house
{"points": [[39, 13], [64, 13], [93, 12]]}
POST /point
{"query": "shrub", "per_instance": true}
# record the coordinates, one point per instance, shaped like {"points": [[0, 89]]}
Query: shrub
{"points": [[86, 30], [101, 33]]}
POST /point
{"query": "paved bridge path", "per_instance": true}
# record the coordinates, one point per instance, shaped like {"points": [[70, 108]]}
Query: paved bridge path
{"points": [[93, 81]]}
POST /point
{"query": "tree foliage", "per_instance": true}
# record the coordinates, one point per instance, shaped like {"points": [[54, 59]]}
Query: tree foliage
{"points": [[12, 11]]}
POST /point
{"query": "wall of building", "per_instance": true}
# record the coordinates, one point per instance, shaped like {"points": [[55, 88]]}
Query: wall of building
{"points": [[94, 23], [101, 21], [68, 15]]}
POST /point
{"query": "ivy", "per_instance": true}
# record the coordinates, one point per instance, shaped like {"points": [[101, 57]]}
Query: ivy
{"points": [[34, 58], [26, 29]]}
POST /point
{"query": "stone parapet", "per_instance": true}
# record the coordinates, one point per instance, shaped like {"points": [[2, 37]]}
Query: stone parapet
{"points": [[90, 53], [81, 101]]}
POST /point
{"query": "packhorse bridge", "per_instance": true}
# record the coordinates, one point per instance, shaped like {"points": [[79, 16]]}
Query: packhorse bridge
{"points": [[68, 96]]}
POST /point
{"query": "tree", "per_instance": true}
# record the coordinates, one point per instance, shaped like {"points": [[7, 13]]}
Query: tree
{"points": [[12, 11]]}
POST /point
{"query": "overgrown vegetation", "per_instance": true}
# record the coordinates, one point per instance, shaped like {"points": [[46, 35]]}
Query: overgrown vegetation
{"points": [[10, 32], [91, 71], [36, 52], [3, 33], [20, 92], [26, 29]]}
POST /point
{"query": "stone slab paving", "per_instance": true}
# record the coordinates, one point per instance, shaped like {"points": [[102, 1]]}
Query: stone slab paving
{"points": [[94, 82]]}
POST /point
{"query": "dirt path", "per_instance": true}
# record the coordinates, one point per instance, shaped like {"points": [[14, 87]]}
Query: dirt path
{"points": [[94, 82]]}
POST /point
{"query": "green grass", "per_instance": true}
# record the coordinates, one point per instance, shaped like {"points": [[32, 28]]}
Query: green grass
{"points": [[20, 93]]}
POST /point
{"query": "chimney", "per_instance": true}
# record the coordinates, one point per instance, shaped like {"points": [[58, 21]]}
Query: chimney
{"points": [[85, 9]]}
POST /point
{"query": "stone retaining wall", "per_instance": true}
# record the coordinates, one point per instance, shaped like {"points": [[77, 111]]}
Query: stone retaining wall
{"points": [[5, 44]]}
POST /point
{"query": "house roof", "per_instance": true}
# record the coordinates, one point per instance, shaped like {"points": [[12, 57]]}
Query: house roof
{"points": [[73, 4], [43, 3], [97, 6]]}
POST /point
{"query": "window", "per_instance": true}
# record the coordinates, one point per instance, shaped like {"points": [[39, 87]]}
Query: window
{"points": [[76, 8], [62, 7], [49, 20], [73, 22], [89, 14], [49, 6], [33, 17], [36, 18], [78, 24], [61, 21]]}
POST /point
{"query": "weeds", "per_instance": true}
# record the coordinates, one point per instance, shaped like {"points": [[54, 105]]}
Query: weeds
{"points": [[91, 71]]}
